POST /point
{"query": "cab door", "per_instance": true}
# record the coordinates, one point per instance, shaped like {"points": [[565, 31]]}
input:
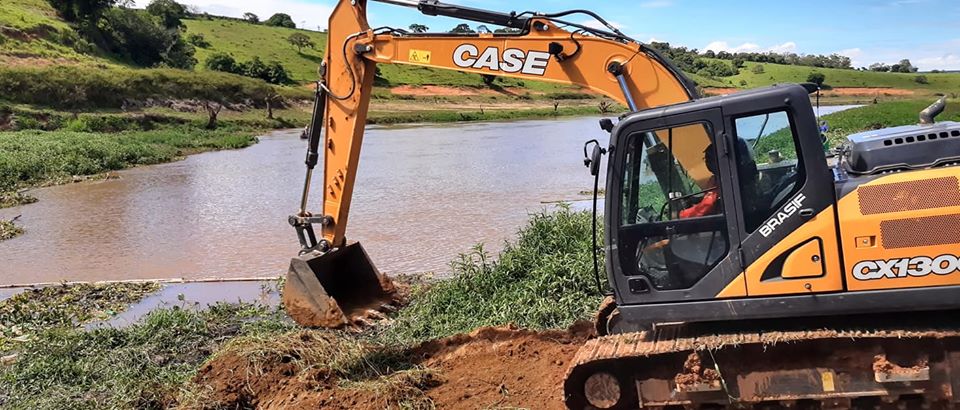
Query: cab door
{"points": [[673, 236], [786, 200]]}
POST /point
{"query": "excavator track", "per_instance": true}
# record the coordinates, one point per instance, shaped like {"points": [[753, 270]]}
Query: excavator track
{"points": [[872, 363]]}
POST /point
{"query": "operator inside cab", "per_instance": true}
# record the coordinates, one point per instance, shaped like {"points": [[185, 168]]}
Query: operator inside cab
{"points": [[708, 204]]}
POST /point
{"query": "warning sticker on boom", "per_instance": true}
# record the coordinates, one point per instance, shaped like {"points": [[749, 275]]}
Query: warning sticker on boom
{"points": [[419, 56]]}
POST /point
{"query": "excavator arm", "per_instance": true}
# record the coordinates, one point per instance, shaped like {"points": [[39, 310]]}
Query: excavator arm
{"points": [[331, 280]]}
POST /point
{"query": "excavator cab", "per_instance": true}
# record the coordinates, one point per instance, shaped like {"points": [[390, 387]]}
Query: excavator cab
{"points": [[694, 186]]}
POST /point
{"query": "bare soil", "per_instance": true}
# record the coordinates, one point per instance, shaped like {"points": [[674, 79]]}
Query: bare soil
{"points": [[869, 91], [443, 91], [494, 367]]}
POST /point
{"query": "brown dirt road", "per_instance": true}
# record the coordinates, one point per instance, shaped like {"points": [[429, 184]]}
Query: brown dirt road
{"points": [[488, 368]]}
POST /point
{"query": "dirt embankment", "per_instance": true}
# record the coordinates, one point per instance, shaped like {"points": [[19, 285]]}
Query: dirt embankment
{"points": [[445, 91], [490, 367], [840, 91]]}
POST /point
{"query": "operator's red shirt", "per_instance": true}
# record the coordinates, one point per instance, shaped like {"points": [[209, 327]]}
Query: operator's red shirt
{"points": [[704, 208]]}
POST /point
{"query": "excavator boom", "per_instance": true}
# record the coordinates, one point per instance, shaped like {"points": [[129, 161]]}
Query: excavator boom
{"points": [[333, 282]]}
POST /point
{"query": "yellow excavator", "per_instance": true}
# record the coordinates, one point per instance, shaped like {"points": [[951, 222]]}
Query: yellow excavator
{"points": [[744, 266]]}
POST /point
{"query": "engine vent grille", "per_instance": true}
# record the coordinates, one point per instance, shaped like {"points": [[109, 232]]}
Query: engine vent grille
{"points": [[915, 232], [909, 196]]}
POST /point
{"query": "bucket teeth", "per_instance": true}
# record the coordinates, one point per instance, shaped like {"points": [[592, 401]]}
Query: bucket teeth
{"points": [[336, 289]]}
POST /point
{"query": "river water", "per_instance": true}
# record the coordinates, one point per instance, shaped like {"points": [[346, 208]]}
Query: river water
{"points": [[424, 194]]}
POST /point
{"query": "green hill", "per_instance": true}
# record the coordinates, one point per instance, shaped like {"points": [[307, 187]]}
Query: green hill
{"points": [[31, 30], [244, 41], [835, 77], [31, 34]]}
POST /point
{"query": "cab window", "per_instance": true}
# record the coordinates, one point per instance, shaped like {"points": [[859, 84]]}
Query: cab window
{"points": [[769, 170], [671, 196]]}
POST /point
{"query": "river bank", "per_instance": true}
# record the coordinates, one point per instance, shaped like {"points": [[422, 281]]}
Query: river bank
{"points": [[506, 313]]}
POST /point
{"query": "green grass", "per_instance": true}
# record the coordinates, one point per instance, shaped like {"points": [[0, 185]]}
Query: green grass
{"points": [[77, 87], [443, 116], [36, 157], [883, 115], [244, 41], [33, 29], [541, 280], [774, 73], [143, 366], [36, 310]]}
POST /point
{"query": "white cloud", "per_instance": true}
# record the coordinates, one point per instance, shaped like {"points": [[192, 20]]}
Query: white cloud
{"points": [[305, 14], [718, 46], [855, 55], [724, 46], [943, 62], [655, 4], [787, 47]]}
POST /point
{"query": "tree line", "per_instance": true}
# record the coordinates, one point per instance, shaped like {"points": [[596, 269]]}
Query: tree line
{"points": [[149, 38]]}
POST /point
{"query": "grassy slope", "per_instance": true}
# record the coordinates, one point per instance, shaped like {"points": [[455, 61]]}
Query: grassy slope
{"points": [[774, 73], [244, 41], [33, 30]]}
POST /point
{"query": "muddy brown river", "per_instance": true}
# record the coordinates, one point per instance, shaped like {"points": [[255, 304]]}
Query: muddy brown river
{"points": [[424, 194]]}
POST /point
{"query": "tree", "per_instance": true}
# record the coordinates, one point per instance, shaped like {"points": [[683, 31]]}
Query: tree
{"points": [[136, 36], [738, 62], [462, 28], [880, 67], [213, 110], [281, 20], [252, 18], [221, 62], [419, 28], [168, 11], [709, 54], [300, 40], [817, 78], [904, 66], [82, 11]]}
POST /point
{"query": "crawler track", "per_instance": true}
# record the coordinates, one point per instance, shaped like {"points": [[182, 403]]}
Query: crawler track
{"points": [[874, 363]]}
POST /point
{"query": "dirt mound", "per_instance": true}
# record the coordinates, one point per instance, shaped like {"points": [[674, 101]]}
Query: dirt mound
{"points": [[490, 367]]}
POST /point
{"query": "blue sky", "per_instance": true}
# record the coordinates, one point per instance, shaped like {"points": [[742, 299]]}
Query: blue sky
{"points": [[925, 31]]}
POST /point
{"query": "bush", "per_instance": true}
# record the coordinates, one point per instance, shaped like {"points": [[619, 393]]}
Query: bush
{"points": [[272, 72], [280, 20], [198, 40], [921, 79], [817, 78], [757, 69], [221, 62], [543, 280], [70, 87]]}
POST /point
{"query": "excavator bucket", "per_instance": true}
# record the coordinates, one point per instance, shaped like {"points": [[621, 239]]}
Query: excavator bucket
{"points": [[336, 289]]}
